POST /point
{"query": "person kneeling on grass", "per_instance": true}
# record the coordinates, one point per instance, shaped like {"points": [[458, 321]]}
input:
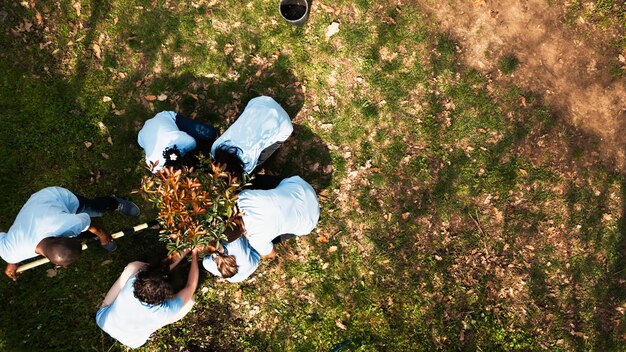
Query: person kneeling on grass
{"points": [[235, 261], [262, 127], [52, 222], [142, 300], [168, 137], [290, 209]]}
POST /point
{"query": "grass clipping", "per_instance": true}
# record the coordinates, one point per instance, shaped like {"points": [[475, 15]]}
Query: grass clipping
{"points": [[196, 205]]}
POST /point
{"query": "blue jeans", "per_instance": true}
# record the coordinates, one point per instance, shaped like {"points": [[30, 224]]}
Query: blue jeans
{"points": [[96, 207], [203, 133]]}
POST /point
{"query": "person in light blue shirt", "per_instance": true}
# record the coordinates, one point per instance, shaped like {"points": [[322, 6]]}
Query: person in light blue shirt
{"points": [[49, 223], [142, 300], [262, 127], [291, 208], [235, 261], [168, 137]]}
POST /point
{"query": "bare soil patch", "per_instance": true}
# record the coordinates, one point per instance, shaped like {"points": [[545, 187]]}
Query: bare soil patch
{"points": [[568, 65]]}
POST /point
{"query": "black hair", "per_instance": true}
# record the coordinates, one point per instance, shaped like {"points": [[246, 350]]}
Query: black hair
{"points": [[228, 156], [153, 285], [173, 157]]}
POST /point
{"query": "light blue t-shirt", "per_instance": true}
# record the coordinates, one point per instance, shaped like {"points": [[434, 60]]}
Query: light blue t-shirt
{"points": [[262, 123], [131, 321], [292, 207], [247, 260], [50, 212], [161, 132]]}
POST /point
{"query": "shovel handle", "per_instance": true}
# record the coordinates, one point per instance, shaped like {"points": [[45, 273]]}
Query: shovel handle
{"points": [[44, 260]]}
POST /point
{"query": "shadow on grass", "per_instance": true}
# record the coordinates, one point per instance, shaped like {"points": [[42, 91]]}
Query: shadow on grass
{"points": [[304, 154]]}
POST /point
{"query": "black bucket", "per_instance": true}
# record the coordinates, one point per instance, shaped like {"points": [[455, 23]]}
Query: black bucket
{"points": [[295, 12]]}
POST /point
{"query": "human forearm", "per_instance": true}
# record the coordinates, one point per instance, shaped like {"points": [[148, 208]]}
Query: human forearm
{"points": [[270, 255], [99, 232], [192, 280], [176, 259]]}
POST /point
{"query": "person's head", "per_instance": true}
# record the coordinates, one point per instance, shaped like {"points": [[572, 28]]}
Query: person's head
{"points": [[228, 156], [234, 230], [61, 251], [153, 285], [226, 264], [173, 156]]}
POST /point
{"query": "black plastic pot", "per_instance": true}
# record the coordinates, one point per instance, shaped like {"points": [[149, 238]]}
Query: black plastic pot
{"points": [[295, 12]]}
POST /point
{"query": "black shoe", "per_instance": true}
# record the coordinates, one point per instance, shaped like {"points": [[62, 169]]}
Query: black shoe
{"points": [[110, 247], [127, 207]]}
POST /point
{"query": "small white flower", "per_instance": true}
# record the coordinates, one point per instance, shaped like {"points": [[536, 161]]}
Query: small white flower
{"points": [[173, 157]]}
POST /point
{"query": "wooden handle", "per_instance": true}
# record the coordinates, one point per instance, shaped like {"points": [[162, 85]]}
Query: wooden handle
{"points": [[38, 262]]}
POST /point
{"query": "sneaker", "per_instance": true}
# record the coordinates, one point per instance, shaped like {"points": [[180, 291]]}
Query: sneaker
{"points": [[110, 247], [127, 207]]}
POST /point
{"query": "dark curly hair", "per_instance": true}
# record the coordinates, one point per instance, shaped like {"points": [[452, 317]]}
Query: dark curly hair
{"points": [[229, 155], [153, 285]]}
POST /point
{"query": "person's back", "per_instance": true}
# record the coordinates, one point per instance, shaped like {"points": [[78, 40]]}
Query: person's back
{"points": [[161, 133], [49, 212], [131, 321], [247, 260], [256, 134], [290, 208]]}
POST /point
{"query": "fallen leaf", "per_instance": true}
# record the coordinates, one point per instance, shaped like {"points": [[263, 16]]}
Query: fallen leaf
{"points": [[106, 99], [96, 50], [106, 262], [51, 272], [405, 215], [76, 7], [150, 97], [522, 100], [340, 324], [332, 249], [27, 26], [161, 97], [119, 112], [105, 155], [322, 239], [88, 144], [228, 48], [110, 140], [332, 29], [438, 258], [102, 126], [38, 18]]}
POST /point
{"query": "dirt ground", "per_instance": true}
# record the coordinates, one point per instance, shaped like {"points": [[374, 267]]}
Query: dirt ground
{"points": [[568, 65]]}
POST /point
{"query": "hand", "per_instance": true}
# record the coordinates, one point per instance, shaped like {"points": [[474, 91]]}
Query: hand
{"points": [[11, 271]]}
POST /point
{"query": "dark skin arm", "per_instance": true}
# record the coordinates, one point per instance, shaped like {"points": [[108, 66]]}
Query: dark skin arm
{"points": [[11, 271], [99, 232]]}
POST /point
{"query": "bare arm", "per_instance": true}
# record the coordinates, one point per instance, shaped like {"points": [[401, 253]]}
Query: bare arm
{"points": [[130, 270], [178, 257], [271, 255], [99, 232], [186, 294], [11, 271]]}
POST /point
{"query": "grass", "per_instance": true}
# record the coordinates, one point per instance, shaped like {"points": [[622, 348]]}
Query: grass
{"points": [[453, 217]]}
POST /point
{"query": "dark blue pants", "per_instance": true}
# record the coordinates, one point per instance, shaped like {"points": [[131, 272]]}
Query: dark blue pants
{"points": [[203, 133]]}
